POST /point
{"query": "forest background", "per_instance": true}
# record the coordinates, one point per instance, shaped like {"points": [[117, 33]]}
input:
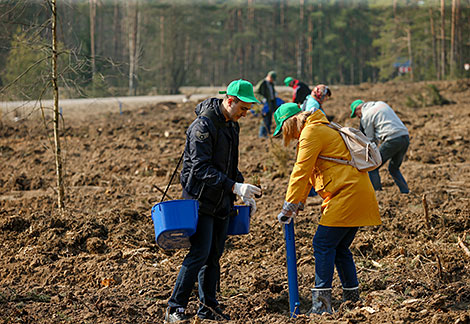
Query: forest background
{"points": [[115, 48]]}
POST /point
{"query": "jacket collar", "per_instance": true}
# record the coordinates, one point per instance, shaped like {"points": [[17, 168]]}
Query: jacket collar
{"points": [[318, 117]]}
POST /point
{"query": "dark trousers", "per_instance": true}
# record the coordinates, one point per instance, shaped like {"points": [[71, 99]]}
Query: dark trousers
{"points": [[330, 248], [265, 127], [393, 150], [201, 264]]}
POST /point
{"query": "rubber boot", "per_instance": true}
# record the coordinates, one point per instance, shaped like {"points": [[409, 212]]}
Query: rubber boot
{"points": [[321, 301], [351, 294]]}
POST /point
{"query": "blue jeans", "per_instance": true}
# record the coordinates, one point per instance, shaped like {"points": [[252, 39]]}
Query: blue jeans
{"points": [[393, 150], [202, 264], [265, 127], [330, 248]]}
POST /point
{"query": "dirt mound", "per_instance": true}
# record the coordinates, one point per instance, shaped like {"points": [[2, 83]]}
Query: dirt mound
{"points": [[99, 262]]}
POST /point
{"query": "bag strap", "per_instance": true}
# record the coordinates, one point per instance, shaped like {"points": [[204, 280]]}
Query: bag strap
{"points": [[209, 113]]}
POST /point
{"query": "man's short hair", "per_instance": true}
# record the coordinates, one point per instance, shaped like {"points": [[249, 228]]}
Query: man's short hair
{"points": [[235, 99]]}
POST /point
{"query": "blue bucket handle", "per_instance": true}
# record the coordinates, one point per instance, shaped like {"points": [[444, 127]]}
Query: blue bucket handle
{"points": [[172, 176]]}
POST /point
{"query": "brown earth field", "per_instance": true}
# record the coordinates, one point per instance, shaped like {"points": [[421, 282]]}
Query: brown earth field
{"points": [[99, 263]]}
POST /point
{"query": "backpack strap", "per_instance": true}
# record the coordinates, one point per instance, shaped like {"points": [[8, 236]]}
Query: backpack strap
{"points": [[337, 127], [346, 162]]}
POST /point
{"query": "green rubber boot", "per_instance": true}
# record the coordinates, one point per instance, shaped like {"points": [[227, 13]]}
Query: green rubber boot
{"points": [[351, 294]]}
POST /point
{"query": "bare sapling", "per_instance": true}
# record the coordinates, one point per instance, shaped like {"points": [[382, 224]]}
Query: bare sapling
{"points": [[463, 247], [257, 182], [58, 153], [426, 212], [439, 265]]}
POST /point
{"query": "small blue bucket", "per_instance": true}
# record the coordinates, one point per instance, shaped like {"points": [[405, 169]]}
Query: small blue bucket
{"points": [[174, 222], [240, 223]]}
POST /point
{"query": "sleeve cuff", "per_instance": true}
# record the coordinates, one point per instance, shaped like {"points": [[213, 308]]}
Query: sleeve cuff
{"points": [[229, 185]]}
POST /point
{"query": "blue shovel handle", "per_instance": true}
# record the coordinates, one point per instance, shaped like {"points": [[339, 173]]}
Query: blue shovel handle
{"points": [[289, 236]]}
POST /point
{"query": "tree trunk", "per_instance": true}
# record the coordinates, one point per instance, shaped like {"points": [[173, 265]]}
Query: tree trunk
{"points": [[300, 49], [116, 31], [459, 37], [58, 152], [276, 13], [410, 53], [319, 72], [310, 48], [251, 46], [443, 40], [132, 30], [452, 39], [434, 46], [162, 48], [283, 21], [92, 37], [241, 48]]}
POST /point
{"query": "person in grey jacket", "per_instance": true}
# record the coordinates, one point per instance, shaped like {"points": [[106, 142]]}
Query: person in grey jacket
{"points": [[382, 126], [210, 174]]}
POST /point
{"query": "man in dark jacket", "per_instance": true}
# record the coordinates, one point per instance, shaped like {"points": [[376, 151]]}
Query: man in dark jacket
{"points": [[265, 90], [210, 174], [300, 89]]}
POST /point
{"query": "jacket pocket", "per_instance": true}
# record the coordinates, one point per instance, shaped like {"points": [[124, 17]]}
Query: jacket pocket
{"points": [[321, 181]]}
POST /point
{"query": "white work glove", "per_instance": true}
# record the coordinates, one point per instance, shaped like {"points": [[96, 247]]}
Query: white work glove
{"points": [[250, 202], [287, 213], [246, 190]]}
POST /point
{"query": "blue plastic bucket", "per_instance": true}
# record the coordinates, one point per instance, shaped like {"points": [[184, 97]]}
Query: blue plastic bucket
{"points": [[240, 223], [174, 222]]}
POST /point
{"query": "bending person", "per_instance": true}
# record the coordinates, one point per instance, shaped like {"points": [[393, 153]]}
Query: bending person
{"points": [[348, 199], [380, 124]]}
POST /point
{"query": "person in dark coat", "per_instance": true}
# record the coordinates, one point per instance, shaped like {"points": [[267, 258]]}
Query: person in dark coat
{"points": [[300, 90], [210, 174], [265, 90]]}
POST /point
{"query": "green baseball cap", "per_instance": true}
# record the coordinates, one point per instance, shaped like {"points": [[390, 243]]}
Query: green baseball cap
{"points": [[354, 105], [273, 75], [288, 80], [284, 112], [241, 89]]}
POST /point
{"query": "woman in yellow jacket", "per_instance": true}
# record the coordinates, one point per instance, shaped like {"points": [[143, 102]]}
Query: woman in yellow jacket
{"points": [[348, 199]]}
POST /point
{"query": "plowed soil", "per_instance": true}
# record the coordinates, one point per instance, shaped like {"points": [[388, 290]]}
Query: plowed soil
{"points": [[99, 263]]}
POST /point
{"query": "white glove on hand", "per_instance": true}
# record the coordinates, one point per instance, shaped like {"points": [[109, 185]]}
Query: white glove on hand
{"points": [[250, 202], [284, 218], [246, 190], [287, 213]]}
